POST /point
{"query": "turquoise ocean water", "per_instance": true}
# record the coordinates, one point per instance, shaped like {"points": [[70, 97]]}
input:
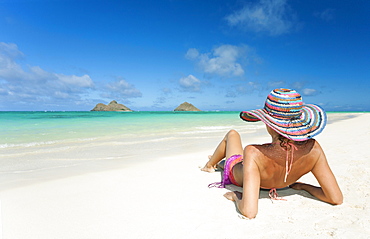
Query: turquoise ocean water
{"points": [[42, 145], [27, 129], [46, 145]]}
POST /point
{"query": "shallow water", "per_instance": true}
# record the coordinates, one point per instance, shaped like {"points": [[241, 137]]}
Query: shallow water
{"points": [[33, 142], [27, 129], [35, 145]]}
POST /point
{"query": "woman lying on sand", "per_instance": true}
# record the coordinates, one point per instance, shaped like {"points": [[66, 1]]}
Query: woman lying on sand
{"points": [[292, 154]]}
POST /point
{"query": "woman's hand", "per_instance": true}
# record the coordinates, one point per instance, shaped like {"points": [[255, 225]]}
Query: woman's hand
{"points": [[232, 196]]}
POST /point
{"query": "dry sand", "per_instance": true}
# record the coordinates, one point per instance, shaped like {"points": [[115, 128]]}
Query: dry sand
{"points": [[168, 198]]}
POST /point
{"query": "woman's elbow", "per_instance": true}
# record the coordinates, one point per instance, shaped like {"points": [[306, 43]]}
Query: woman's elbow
{"points": [[249, 214], [338, 200]]}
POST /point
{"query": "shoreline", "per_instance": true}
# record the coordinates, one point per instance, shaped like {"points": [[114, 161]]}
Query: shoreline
{"points": [[168, 197], [24, 166]]}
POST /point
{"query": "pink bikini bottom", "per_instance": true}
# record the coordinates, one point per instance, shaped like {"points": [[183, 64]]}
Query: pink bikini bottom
{"points": [[228, 177]]}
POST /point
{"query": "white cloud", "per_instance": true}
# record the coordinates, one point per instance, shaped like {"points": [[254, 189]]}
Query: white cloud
{"points": [[326, 15], [242, 89], [275, 84], [190, 84], [309, 92], [122, 89], [222, 61], [166, 91], [192, 54], [61, 95], [33, 85], [272, 16], [79, 81], [9, 69], [10, 50], [298, 85], [160, 100]]}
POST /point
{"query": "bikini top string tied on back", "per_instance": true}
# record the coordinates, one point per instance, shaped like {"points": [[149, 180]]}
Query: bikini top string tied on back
{"points": [[274, 195], [288, 165]]}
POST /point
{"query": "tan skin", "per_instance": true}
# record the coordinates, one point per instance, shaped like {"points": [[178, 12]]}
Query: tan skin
{"points": [[264, 167]]}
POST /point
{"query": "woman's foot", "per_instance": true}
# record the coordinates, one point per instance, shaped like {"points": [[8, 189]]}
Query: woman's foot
{"points": [[208, 168]]}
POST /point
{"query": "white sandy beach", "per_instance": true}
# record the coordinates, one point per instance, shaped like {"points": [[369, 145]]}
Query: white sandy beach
{"points": [[168, 197]]}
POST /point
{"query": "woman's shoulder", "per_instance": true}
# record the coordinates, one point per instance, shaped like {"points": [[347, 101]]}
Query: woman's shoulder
{"points": [[258, 152], [314, 145], [257, 146], [310, 152], [253, 151], [316, 148], [252, 148]]}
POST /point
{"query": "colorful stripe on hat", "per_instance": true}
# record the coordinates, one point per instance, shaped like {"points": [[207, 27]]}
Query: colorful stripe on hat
{"points": [[285, 113]]}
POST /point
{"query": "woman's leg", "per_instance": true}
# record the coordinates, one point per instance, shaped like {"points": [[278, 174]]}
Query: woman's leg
{"points": [[229, 146]]}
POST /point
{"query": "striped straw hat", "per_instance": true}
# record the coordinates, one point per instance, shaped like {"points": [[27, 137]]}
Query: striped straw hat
{"points": [[285, 113]]}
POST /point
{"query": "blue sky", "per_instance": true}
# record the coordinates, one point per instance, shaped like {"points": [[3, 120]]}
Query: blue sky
{"points": [[157, 54]]}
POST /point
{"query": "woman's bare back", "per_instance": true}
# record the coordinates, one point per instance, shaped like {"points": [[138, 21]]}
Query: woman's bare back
{"points": [[271, 161]]}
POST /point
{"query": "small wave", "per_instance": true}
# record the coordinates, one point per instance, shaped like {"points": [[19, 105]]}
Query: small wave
{"points": [[31, 144], [162, 139], [135, 142], [213, 127], [34, 144]]}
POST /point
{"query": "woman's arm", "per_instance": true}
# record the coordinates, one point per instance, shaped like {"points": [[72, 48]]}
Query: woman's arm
{"points": [[329, 190], [247, 203]]}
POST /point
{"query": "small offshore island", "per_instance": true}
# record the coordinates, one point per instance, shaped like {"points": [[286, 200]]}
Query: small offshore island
{"points": [[186, 107], [114, 106]]}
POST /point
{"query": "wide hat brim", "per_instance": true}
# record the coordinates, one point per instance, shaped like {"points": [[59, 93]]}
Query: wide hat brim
{"points": [[310, 123]]}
